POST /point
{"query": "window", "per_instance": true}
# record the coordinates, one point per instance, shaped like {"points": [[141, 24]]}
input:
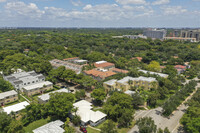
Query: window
{"points": [[42, 79], [33, 82], [7, 97], [24, 83], [8, 101], [36, 80], [28, 82]]}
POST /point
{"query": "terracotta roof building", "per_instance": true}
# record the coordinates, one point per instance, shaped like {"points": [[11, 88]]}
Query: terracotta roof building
{"points": [[104, 64], [117, 70], [99, 74], [73, 58], [138, 58]]}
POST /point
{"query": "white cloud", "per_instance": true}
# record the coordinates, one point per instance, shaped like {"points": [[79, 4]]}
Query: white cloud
{"points": [[160, 2], [126, 2], [173, 10], [3, 1], [76, 2], [87, 7], [19, 9]]}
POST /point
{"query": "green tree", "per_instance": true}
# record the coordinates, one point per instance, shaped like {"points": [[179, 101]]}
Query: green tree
{"points": [[108, 127], [166, 130], [116, 104], [76, 120], [154, 66], [16, 127], [146, 125], [99, 95], [160, 130], [5, 121], [68, 129], [126, 118], [60, 104], [137, 100], [80, 94]]}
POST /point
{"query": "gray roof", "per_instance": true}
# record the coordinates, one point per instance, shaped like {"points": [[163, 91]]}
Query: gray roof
{"points": [[37, 85], [23, 77], [111, 82], [7, 93], [52, 127], [46, 97], [154, 73]]}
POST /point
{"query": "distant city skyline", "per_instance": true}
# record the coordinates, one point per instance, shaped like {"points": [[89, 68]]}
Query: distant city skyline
{"points": [[100, 13]]}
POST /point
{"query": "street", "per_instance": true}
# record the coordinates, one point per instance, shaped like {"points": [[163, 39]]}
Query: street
{"points": [[172, 123]]}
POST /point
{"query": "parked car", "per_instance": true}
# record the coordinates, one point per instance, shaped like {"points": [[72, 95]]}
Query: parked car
{"points": [[83, 129]]}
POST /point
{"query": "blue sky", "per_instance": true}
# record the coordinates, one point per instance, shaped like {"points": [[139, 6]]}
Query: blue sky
{"points": [[100, 13]]}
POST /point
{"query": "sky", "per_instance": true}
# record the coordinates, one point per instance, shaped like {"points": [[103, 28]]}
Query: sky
{"points": [[100, 13]]}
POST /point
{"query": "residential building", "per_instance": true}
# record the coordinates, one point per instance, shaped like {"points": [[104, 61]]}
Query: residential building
{"points": [[129, 92], [74, 67], [127, 82], [155, 73], [38, 88], [104, 65], [51, 127], [22, 79], [16, 108], [110, 85], [8, 97], [191, 34], [88, 116], [180, 68], [135, 36], [138, 58], [155, 34], [76, 60], [181, 39], [99, 74], [117, 70], [45, 97]]}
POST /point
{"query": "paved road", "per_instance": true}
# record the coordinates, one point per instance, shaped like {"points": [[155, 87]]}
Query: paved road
{"points": [[172, 123]]}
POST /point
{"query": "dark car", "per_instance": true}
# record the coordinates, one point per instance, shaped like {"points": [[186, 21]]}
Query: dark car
{"points": [[83, 129]]}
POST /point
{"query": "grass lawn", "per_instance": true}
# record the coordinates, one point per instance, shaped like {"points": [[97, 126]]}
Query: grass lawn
{"points": [[36, 124], [120, 130], [90, 130]]}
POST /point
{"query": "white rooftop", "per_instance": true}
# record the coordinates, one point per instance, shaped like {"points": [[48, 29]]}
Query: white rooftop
{"points": [[85, 112], [100, 62], [126, 79], [7, 93], [16, 107], [111, 82], [46, 97], [52, 127], [80, 61], [155, 73], [38, 85], [129, 92]]}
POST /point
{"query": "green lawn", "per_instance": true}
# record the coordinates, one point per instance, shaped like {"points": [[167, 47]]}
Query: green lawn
{"points": [[36, 124], [90, 130], [120, 130]]}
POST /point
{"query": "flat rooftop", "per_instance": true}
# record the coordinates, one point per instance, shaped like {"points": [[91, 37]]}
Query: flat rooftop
{"points": [[7, 93], [16, 107]]}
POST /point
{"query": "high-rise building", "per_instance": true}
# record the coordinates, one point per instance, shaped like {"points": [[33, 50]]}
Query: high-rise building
{"points": [[155, 34], [191, 34]]}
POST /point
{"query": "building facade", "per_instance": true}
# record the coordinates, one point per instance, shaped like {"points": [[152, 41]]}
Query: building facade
{"points": [[8, 97], [127, 82], [155, 34], [38, 88], [22, 79], [191, 34]]}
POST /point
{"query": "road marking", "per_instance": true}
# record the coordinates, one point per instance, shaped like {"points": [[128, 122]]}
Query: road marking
{"points": [[175, 127], [139, 114]]}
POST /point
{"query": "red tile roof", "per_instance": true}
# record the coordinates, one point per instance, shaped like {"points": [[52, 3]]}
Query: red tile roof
{"points": [[101, 74], [103, 65], [119, 70], [180, 67], [138, 58]]}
